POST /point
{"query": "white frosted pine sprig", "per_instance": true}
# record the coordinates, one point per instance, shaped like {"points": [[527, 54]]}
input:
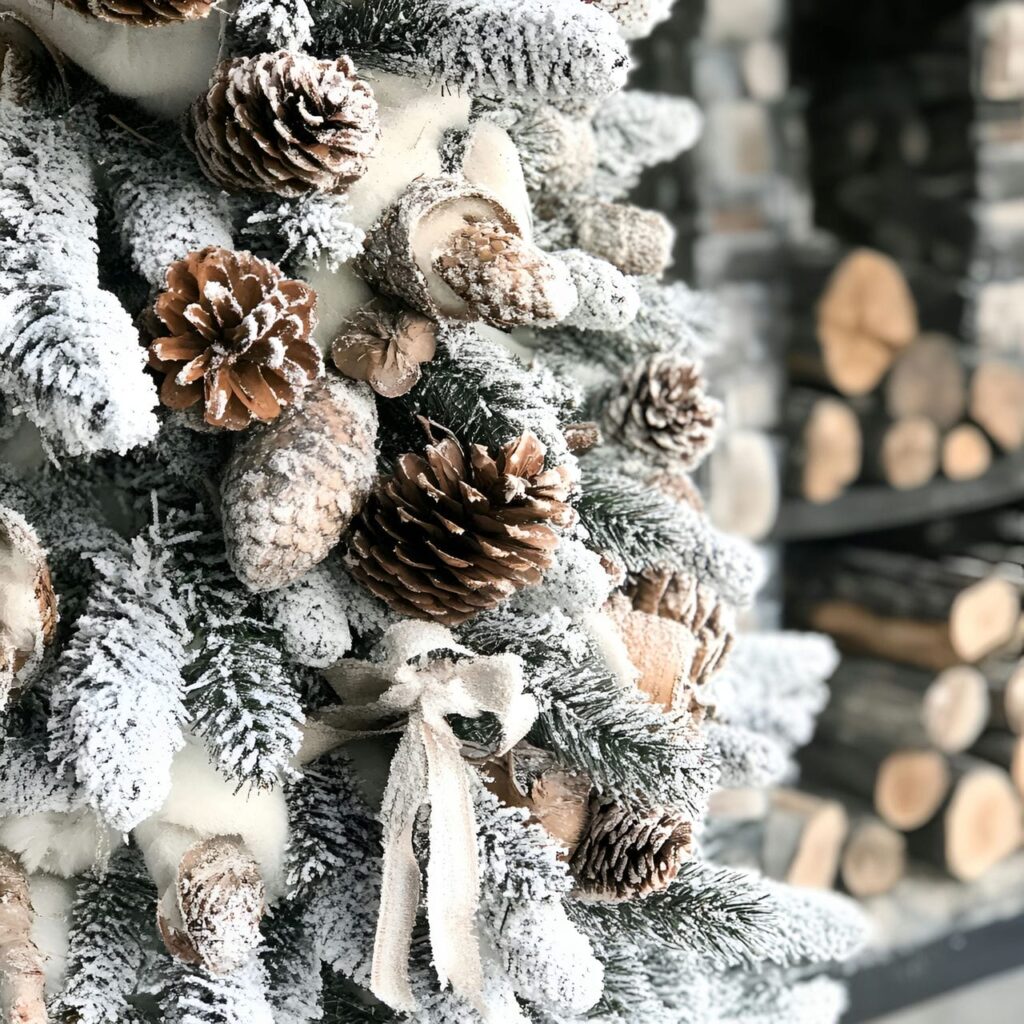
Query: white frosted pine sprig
{"points": [[69, 353]]}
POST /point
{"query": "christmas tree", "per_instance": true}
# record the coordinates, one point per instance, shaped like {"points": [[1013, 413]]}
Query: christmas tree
{"points": [[366, 652]]}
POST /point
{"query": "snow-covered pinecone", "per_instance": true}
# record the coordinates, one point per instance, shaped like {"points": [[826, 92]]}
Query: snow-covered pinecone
{"points": [[285, 123], [449, 535], [628, 851], [291, 488], [661, 409], [239, 337], [385, 349], [505, 280], [141, 13]]}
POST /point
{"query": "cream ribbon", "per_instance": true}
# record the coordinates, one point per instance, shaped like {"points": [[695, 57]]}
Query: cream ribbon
{"points": [[409, 692]]}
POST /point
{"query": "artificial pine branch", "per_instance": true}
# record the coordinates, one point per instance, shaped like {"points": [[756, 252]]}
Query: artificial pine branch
{"points": [[106, 951], [292, 962], [191, 995], [642, 528]]}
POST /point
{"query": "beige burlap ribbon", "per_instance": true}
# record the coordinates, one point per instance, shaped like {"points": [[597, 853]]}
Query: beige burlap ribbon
{"points": [[412, 693]]}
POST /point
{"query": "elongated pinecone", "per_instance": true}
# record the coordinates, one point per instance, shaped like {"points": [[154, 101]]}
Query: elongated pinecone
{"points": [[142, 13], [684, 599], [292, 487], [505, 280], [448, 536], [629, 851], [285, 123], [661, 408], [239, 337]]}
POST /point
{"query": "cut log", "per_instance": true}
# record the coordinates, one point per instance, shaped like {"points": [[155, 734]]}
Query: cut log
{"points": [[928, 380], [905, 706], [1005, 680], [746, 804], [874, 858], [996, 402], [803, 839], [905, 786], [1005, 749], [976, 604], [824, 445], [903, 453], [966, 453], [743, 493], [978, 824], [865, 317]]}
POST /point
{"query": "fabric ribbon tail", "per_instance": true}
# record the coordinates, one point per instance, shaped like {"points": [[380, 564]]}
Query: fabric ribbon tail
{"points": [[453, 883], [400, 885]]}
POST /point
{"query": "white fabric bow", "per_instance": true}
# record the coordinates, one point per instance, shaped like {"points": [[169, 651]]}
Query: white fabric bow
{"points": [[408, 691]]}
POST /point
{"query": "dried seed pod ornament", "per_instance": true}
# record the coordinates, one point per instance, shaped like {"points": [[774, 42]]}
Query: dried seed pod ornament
{"points": [[240, 337], [453, 250], [285, 123], [449, 535], [28, 605], [385, 349], [291, 488], [142, 13]]}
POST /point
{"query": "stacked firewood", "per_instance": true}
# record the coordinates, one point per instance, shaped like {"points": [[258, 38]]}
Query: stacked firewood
{"points": [[925, 726]]}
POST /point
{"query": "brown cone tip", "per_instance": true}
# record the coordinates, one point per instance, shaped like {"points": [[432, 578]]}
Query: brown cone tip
{"points": [[385, 349], [239, 337], [142, 13], [284, 123], [453, 533]]}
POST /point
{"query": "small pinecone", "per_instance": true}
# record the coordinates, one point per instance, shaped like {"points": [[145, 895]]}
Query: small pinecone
{"points": [[660, 407], [285, 123], [291, 488], [506, 281], [221, 897], [629, 851], [385, 349], [682, 598], [239, 337], [448, 536], [142, 13]]}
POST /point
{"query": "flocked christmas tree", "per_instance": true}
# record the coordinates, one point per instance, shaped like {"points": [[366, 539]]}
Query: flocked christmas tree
{"points": [[366, 653]]}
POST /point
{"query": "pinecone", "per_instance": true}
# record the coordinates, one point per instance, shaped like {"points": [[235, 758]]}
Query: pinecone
{"points": [[385, 349], [291, 488], [629, 851], [683, 599], [220, 897], [660, 408], [285, 123], [240, 337], [142, 13], [447, 536], [505, 280]]}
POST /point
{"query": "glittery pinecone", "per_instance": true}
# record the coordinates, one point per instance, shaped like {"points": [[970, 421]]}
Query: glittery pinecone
{"points": [[385, 349], [449, 535], [291, 488], [660, 408], [628, 851], [285, 123], [504, 279], [240, 337], [142, 13], [682, 598]]}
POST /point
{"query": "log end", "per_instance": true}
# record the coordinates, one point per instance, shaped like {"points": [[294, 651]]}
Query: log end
{"points": [[956, 708], [910, 787], [984, 617], [874, 859], [983, 823]]}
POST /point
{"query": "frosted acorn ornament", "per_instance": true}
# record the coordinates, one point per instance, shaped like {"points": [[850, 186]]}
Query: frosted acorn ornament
{"points": [[239, 338]]}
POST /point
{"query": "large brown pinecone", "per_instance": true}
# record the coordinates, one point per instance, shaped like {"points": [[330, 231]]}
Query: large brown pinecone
{"points": [[505, 280], [660, 408], [448, 536], [285, 123], [142, 13], [684, 599], [240, 337], [629, 851], [291, 488]]}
